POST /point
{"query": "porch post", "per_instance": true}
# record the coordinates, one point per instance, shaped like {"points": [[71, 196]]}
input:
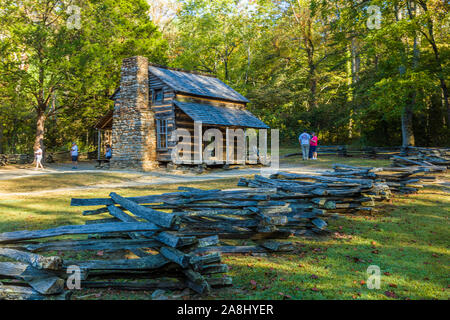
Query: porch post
{"points": [[99, 143]]}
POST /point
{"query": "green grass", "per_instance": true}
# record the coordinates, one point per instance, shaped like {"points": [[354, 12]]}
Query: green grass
{"points": [[64, 180], [328, 161], [53, 209], [407, 238]]}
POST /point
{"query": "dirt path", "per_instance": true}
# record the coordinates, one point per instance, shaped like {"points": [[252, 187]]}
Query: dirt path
{"points": [[17, 172]]}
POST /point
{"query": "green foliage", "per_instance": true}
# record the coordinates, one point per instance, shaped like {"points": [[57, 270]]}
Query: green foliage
{"points": [[68, 73], [316, 64], [306, 64]]}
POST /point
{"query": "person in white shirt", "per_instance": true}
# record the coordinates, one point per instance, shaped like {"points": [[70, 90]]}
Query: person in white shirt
{"points": [[304, 142], [38, 154], [74, 154]]}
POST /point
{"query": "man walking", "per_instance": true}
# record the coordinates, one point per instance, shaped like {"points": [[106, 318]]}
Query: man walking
{"points": [[304, 141], [74, 154]]}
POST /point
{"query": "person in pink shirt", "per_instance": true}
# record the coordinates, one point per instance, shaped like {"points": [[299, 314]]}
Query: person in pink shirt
{"points": [[313, 146]]}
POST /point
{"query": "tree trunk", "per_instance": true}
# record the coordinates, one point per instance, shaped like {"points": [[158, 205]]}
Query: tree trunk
{"points": [[407, 115], [310, 50], [40, 129], [445, 99], [248, 64], [226, 64], [432, 41], [441, 76], [312, 79], [1, 137], [407, 127], [353, 70]]}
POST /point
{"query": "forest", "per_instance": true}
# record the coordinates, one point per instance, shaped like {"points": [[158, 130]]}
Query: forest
{"points": [[361, 73]]}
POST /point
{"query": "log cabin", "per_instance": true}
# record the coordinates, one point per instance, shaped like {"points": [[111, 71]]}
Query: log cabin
{"points": [[153, 101]]}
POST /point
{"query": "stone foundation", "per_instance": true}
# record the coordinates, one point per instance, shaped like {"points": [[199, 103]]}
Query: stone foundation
{"points": [[133, 129]]}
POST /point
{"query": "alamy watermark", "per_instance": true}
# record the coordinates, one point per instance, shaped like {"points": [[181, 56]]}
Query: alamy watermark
{"points": [[74, 278], [374, 20], [239, 146], [74, 20], [374, 277]]}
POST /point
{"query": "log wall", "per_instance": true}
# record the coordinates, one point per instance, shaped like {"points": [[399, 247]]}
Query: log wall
{"points": [[163, 111]]}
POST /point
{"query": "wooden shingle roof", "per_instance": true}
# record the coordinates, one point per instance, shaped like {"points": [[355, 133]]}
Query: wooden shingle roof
{"points": [[197, 84], [105, 122], [224, 116]]}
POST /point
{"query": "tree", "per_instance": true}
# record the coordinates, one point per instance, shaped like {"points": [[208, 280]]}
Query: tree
{"points": [[70, 52]]}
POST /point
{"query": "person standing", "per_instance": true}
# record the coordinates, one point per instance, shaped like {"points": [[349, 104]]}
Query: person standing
{"points": [[313, 146], [108, 153], [38, 154], [74, 154], [304, 142]]}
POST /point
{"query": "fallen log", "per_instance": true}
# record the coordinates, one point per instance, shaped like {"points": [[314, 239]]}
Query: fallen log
{"points": [[196, 281], [78, 245], [197, 261], [35, 260], [347, 167], [286, 175], [122, 216], [208, 241], [220, 282], [105, 220], [146, 263], [152, 285], [411, 161], [231, 249], [140, 200], [135, 286], [41, 281], [159, 218], [213, 269], [254, 235], [25, 293], [216, 212], [175, 240], [176, 256], [210, 206], [277, 246], [8, 237]]}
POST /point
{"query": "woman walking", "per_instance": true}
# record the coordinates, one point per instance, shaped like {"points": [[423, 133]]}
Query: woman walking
{"points": [[313, 146], [38, 154], [74, 155]]}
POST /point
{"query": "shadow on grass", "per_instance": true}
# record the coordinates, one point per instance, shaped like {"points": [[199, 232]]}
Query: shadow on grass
{"points": [[408, 240]]}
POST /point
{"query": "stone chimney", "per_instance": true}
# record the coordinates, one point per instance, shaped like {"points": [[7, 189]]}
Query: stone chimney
{"points": [[133, 129]]}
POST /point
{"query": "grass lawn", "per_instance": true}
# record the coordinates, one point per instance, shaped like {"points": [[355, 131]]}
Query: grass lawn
{"points": [[64, 180], [407, 238], [328, 160]]}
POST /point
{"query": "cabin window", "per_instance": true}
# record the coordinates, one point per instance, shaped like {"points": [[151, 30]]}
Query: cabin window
{"points": [[158, 95], [161, 129]]}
